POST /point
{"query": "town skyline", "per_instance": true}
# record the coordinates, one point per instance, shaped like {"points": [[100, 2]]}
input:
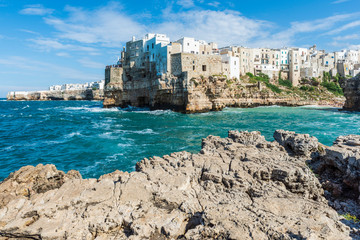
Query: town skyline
{"points": [[46, 43]]}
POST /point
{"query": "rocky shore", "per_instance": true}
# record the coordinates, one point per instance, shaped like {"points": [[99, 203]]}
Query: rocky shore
{"points": [[56, 95], [239, 187], [351, 88]]}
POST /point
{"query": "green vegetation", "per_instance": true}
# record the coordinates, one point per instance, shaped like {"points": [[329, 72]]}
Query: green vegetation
{"points": [[350, 217], [285, 83], [194, 81], [273, 87], [229, 82], [333, 87], [261, 77], [307, 88], [330, 85]]}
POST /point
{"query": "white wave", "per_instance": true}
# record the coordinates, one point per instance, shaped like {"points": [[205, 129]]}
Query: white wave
{"points": [[92, 109], [107, 135], [125, 145], [27, 106], [73, 134]]}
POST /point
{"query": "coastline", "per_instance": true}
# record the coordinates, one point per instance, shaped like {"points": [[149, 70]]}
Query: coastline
{"points": [[180, 195]]}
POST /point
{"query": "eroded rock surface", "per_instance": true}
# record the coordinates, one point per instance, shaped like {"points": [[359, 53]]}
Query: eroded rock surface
{"points": [[240, 187], [351, 88], [339, 170]]}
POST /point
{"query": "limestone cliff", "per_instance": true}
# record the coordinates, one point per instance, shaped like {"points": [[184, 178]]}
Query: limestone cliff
{"points": [[351, 88], [239, 187], [57, 95], [201, 94]]}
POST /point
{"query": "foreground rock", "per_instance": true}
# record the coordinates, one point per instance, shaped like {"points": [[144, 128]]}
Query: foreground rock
{"points": [[88, 94], [351, 88], [240, 187]]}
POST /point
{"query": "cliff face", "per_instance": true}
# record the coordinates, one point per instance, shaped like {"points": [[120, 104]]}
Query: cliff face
{"points": [[351, 88], [57, 95], [199, 94], [240, 187]]}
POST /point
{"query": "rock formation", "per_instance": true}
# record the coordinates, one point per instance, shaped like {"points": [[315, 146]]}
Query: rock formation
{"points": [[57, 95], [199, 94], [239, 187], [351, 88]]}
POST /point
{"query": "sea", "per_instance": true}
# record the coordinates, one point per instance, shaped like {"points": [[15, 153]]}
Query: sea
{"points": [[82, 135]]}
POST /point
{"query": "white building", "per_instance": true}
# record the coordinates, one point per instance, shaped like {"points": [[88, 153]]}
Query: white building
{"points": [[231, 66], [190, 45]]}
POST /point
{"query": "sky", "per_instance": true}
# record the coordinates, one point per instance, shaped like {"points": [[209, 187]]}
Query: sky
{"points": [[44, 43]]}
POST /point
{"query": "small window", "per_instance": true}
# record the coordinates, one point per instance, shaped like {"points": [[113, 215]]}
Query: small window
{"points": [[203, 52], [204, 68], [193, 68], [147, 47], [152, 46], [188, 44], [193, 62]]}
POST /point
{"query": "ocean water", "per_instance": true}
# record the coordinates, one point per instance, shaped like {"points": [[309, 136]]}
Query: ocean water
{"points": [[81, 135]]}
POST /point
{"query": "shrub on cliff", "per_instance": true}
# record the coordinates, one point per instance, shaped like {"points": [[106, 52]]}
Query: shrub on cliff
{"points": [[285, 83], [307, 88], [273, 87], [333, 87]]}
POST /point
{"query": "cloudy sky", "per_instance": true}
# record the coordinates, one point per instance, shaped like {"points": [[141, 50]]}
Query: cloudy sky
{"points": [[55, 42]]}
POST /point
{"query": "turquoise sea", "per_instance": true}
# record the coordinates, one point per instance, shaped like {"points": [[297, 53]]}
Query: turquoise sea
{"points": [[81, 135]]}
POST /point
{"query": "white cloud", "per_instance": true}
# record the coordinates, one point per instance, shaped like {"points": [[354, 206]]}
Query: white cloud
{"points": [[214, 4], [86, 62], [224, 27], [354, 47], [36, 9], [108, 26], [339, 1], [318, 26], [63, 54], [186, 3], [48, 44], [347, 37], [345, 27], [66, 73]]}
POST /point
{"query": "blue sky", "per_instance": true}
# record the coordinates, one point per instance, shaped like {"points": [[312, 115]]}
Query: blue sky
{"points": [[55, 42]]}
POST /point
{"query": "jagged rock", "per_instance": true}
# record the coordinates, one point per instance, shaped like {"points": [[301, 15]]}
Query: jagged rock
{"points": [[351, 88], [240, 187], [300, 144]]}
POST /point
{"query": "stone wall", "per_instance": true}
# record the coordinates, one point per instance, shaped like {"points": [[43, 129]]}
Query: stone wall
{"points": [[200, 65]]}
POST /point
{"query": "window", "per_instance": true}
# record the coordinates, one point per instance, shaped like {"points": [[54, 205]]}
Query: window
{"points": [[147, 47], [188, 44], [203, 52], [192, 52], [193, 62], [204, 68], [234, 62], [153, 57], [152, 46], [193, 68]]}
